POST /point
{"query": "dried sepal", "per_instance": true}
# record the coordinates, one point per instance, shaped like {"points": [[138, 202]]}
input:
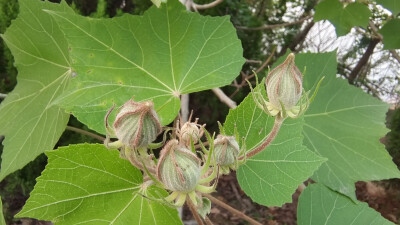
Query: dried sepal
{"points": [[189, 132]]}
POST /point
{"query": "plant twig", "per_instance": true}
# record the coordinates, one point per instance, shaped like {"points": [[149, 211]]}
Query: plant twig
{"points": [[248, 77], [224, 98], [301, 187], [3, 96], [253, 61], [184, 108], [194, 211], [298, 39], [206, 6], [273, 26], [264, 64], [231, 209], [271, 136], [208, 221], [364, 60], [87, 133]]}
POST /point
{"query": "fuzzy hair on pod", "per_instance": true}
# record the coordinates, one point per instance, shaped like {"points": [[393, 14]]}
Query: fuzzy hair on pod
{"points": [[226, 150], [285, 84], [178, 168], [136, 124], [190, 131]]}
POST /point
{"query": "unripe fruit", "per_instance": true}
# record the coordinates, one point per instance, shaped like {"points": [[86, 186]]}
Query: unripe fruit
{"points": [[136, 124], [189, 131], [226, 150], [284, 85], [178, 168]]}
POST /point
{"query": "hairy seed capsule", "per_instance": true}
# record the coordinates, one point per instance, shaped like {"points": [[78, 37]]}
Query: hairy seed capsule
{"points": [[226, 150], [178, 168], [189, 131], [136, 124], [284, 84]]}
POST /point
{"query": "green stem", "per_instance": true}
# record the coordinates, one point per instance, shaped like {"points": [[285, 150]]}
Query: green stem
{"points": [[85, 132], [271, 136]]}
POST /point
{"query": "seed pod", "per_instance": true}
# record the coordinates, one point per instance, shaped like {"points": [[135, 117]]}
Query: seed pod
{"points": [[284, 84], [226, 150], [189, 131], [136, 124], [178, 168]]}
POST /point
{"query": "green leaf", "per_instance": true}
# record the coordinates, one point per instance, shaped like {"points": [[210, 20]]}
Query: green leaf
{"points": [[2, 221], [160, 55], [29, 119], [271, 177], [391, 34], [344, 124], [89, 184], [354, 14], [392, 5], [320, 205]]}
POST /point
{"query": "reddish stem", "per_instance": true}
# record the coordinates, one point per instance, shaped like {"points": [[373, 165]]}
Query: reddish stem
{"points": [[271, 136]]}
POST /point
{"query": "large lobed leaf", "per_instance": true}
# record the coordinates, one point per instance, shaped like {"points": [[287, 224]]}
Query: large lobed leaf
{"points": [[354, 14], [89, 184], [344, 124], [29, 119], [320, 205], [159, 56], [271, 177], [391, 32]]}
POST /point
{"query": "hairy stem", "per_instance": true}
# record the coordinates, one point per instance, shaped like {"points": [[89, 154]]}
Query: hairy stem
{"points": [[85, 132], [135, 159], [271, 136], [135, 163], [194, 212], [231, 209]]}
